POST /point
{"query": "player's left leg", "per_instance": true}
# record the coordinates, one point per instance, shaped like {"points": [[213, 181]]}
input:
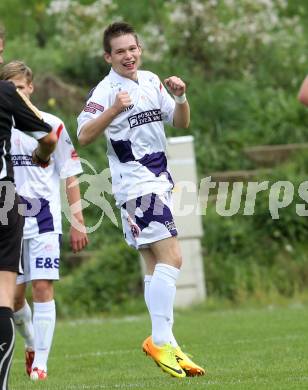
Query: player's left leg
{"points": [[23, 322], [162, 303], [44, 319], [163, 289]]}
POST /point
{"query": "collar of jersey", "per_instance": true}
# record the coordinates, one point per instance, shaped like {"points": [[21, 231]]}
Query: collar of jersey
{"points": [[116, 77]]}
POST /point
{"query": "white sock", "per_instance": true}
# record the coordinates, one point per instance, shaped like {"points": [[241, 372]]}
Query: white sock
{"points": [[173, 341], [162, 293], [147, 282], [44, 319], [24, 326]]}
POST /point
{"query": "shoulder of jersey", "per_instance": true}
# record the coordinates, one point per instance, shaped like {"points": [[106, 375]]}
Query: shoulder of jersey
{"points": [[7, 87], [103, 86], [7, 84]]}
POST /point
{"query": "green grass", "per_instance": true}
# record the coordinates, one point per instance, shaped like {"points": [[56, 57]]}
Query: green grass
{"points": [[264, 348]]}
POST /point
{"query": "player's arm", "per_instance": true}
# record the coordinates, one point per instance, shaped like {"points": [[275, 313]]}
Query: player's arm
{"points": [[181, 115], [303, 92], [93, 128], [27, 116], [46, 146], [78, 235]]}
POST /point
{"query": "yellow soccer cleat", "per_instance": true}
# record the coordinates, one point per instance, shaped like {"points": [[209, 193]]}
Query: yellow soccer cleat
{"points": [[164, 357], [190, 368]]}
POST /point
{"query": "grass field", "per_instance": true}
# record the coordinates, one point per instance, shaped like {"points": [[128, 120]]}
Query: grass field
{"points": [[241, 349]]}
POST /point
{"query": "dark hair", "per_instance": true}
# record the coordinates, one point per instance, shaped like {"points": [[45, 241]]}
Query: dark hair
{"points": [[115, 30]]}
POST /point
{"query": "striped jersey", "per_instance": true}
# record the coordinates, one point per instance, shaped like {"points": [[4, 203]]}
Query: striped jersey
{"points": [[136, 141], [16, 109], [39, 187]]}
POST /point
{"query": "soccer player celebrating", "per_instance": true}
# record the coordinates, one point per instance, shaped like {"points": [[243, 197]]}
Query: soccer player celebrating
{"points": [[14, 108], [40, 190], [130, 106]]}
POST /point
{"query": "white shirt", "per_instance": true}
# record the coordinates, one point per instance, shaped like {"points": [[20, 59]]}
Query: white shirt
{"points": [[41, 186], [136, 141]]}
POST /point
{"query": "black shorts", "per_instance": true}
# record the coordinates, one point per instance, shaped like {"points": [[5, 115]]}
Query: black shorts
{"points": [[11, 229]]}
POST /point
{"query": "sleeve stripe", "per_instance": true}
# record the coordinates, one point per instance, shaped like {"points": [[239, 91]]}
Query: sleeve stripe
{"points": [[59, 131], [29, 104]]}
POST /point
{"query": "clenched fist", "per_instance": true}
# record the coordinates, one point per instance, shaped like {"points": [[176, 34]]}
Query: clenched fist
{"points": [[122, 101], [175, 85]]}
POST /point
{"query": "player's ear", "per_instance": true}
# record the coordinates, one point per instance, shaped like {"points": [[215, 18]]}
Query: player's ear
{"points": [[107, 57], [31, 88]]}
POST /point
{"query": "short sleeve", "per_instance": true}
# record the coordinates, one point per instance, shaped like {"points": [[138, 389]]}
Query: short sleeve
{"points": [[27, 117], [65, 156], [96, 104]]}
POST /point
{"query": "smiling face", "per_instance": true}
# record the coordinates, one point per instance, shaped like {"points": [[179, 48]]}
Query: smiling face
{"points": [[125, 56]]}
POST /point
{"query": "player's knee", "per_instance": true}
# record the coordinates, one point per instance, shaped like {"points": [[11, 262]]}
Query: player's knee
{"points": [[178, 261], [175, 259], [42, 290], [19, 303]]}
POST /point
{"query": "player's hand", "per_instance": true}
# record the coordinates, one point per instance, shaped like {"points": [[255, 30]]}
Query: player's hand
{"points": [[36, 159], [122, 101], [78, 238], [175, 85]]}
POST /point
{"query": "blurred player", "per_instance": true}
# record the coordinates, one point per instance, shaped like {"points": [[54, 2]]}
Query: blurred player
{"points": [[40, 190], [130, 106], [14, 108]]}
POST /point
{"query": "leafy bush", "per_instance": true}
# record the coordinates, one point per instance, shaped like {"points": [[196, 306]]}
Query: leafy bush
{"points": [[258, 255], [106, 282]]}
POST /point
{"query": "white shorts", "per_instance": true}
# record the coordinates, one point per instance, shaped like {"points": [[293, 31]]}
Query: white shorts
{"points": [[148, 219], [41, 258]]}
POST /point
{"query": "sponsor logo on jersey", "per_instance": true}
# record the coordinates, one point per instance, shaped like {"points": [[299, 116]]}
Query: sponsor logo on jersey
{"points": [[47, 262], [93, 107], [170, 225], [21, 160], [145, 117], [128, 108], [115, 85]]}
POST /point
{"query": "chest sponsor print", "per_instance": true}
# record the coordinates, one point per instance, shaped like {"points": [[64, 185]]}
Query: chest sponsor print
{"points": [[145, 117]]}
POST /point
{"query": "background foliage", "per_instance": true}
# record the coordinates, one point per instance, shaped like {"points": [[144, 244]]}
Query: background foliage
{"points": [[243, 61]]}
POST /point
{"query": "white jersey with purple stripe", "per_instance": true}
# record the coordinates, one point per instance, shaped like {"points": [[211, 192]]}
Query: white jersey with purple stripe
{"points": [[136, 141], [40, 187]]}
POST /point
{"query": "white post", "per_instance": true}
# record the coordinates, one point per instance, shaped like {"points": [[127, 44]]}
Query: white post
{"points": [[181, 161]]}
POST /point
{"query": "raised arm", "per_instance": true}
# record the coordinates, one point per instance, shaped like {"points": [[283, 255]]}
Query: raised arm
{"points": [[181, 115], [26, 117], [92, 129]]}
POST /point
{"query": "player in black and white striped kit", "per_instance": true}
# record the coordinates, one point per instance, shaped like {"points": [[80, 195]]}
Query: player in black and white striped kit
{"points": [[14, 109]]}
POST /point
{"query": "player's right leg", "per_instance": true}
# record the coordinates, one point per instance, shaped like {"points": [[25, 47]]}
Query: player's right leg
{"points": [[150, 262], [7, 331], [11, 228], [146, 221], [44, 268]]}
